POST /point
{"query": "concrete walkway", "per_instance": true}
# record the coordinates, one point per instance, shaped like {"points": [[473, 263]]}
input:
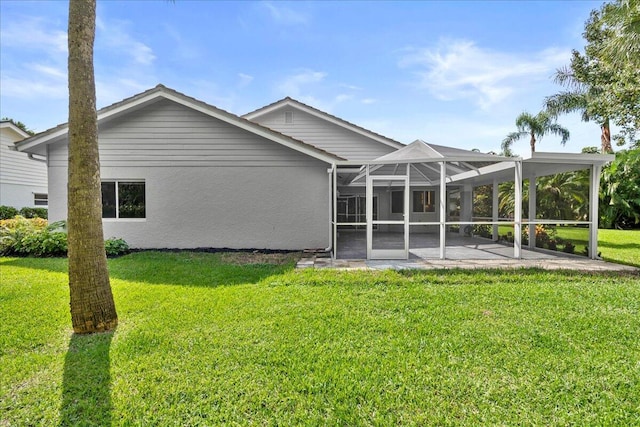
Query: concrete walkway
{"points": [[313, 261]]}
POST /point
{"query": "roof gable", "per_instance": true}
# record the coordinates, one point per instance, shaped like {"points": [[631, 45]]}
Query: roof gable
{"points": [[9, 127], [289, 102], [134, 103]]}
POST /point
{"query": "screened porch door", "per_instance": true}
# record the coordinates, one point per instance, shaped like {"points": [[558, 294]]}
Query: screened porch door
{"points": [[387, 238]]}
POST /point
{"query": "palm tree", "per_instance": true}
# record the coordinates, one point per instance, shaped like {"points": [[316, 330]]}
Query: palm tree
{"points": [[91, 300], [535, 127], [577, 99]]}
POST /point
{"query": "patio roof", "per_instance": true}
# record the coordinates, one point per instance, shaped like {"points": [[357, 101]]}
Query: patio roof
{"points": [[468, 167]]}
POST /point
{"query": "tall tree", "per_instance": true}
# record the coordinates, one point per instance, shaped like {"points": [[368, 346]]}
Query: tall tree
{"points": [[603, 83], [578, 98], [92, 305], [535, 127]]}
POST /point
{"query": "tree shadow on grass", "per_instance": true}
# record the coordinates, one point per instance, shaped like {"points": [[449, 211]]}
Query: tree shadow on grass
{"points": [[86, 384]]}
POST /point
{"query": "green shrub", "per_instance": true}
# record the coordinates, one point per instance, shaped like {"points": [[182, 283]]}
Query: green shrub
{"points": [[34, 212], [24, 236], [8, 212], [116, 247], [33, 237]]}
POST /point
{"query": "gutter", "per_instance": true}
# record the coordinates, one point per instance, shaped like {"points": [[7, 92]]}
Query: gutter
{"points": [[37, 159]]}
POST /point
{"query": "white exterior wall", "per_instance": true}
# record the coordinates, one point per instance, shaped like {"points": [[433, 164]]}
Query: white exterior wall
{"points": [[324, 135], [207, 183], [20, 177]]}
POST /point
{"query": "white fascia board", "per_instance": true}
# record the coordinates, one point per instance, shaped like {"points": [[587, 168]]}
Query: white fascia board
{"points": [[571, 158], [14, 128], [429, 160]]}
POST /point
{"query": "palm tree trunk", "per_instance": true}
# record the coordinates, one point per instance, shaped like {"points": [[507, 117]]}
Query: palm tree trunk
{"points": [[533, 143], [92, 305], [605, 138]]}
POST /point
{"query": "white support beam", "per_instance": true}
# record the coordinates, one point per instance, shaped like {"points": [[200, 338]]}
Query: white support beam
{"points": [[335, 213], [406, 215], [443, 208], [495, 207], [369, 212], [532, 211], [517, 212], [594, 186]]}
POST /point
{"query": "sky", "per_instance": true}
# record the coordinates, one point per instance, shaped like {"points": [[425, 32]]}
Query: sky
{"points": [[453, 73]]}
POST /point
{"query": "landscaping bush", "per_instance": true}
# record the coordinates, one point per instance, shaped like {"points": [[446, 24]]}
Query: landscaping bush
{"points": [[116, 247], [8, 212], [25, 236], [34, 212], [34, 237]]}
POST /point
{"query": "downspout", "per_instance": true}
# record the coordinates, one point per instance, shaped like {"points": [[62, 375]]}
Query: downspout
{"points": [[330, 173]]}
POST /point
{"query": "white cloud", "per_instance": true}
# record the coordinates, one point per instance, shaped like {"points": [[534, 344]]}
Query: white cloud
{"points": [[368, 101], [32, 87], [33, 33], [245, 80], [115, 35], [293, 85], [459, 69], [285, 15]]}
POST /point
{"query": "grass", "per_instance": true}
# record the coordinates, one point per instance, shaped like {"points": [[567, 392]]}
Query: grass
{"points": [[621, 246], [207, 340]]}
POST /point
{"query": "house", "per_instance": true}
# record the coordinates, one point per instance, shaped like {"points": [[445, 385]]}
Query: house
{"points": [[23, 177], [179, 173]]}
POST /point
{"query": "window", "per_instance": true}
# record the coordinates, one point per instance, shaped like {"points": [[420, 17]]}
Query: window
{"points": [[40, 199], [397, 202], [123, 199], [424, 201]]}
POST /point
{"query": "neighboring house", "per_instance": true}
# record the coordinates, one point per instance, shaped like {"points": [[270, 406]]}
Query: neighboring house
{"points": [[23, 180], [179, 173]]}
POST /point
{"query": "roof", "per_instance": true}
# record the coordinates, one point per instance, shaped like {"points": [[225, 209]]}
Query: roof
{"points": [[290, 102], [35, 143], [8, 124], [420, 152]]}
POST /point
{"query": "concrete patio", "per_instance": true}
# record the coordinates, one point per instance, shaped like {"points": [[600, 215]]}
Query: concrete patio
{"points": [[462, 252]]}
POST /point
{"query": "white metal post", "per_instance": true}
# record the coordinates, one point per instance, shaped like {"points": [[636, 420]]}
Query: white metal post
{"points": [[495, 207], [594, 188], [335, 211], [517, 212], [532, 212], [443, 208], [369, 212], [406, 215]]}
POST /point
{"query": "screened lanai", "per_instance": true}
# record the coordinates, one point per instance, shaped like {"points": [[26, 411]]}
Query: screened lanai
{"points": [[431, 201]]}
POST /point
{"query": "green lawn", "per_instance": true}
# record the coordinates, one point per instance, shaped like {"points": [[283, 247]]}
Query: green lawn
{"points": [[203, 340]]}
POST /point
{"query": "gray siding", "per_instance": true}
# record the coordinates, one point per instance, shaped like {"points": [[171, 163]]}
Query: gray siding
{"points": [[208, 184], [168, 134], [20, 177], [324, 135]]}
